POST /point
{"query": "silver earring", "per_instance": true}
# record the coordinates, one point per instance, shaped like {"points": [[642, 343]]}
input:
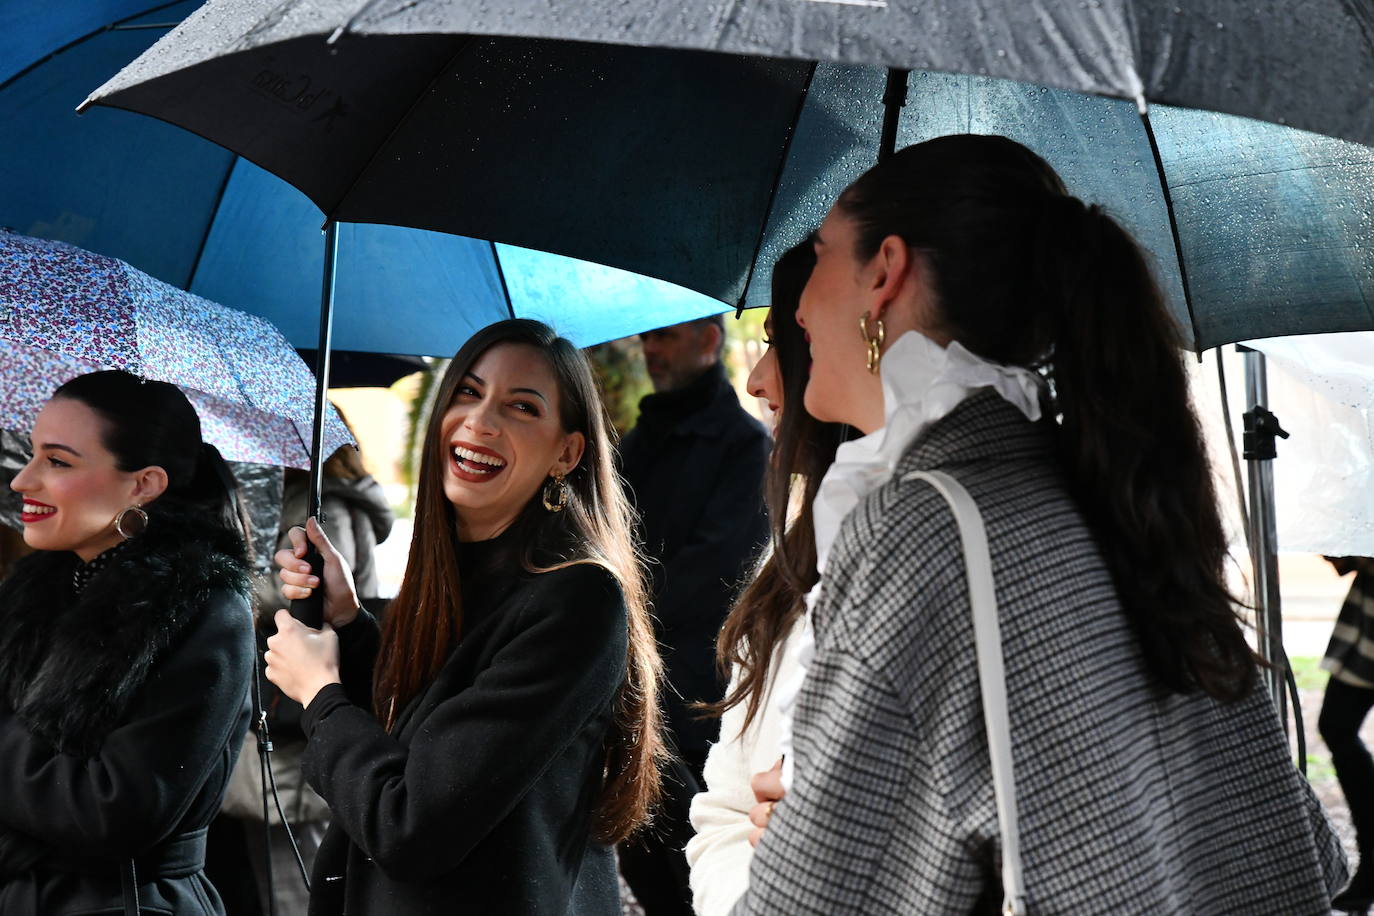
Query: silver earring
{"points": [[122, 517]]}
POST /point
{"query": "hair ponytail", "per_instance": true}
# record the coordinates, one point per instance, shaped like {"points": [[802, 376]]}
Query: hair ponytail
{"points": [[1025, 274], [1135, 454], [214, 486]]}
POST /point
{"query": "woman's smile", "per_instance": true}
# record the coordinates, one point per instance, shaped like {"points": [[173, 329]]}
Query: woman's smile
{"points": [[476, 464], [35, 511]]}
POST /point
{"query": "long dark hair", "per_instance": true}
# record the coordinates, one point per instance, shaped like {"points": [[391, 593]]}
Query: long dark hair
{"points": [[425, 620], [803, 448], [149, 423], [1027, 275]]}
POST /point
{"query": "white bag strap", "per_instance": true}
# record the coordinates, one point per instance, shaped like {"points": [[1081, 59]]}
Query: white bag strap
{"points": [[991, 677]]}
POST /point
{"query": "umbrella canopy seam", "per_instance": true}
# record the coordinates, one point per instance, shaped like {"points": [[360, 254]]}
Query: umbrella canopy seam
{"points": [[773, 189], [210, 223], [109, 27], [464, 46], [1173, 225], [501, 275]]}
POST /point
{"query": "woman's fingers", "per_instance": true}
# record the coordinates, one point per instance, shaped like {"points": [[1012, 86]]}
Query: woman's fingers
{"points": [[767, 785], [759, 816], [298, 542], [297, 580], [315, 532]]}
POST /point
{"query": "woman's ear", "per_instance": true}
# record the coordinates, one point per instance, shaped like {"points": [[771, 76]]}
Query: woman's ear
{"points": [[904, 291], [893, 267], [149, 484], [574, 444]]}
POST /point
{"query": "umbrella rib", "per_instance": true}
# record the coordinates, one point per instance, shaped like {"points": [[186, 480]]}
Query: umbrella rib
{"points": [[1173, 225], [117, 24], [210, 224], [773, 190], [501, 275], [467, 43]]}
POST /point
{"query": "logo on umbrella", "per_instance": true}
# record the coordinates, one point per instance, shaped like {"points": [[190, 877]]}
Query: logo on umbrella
{"points": [[295, 93], [335, 111]]}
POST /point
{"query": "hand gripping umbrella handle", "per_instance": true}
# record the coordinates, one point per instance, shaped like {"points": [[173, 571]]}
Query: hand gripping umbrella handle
{"points": [[310, 611]]}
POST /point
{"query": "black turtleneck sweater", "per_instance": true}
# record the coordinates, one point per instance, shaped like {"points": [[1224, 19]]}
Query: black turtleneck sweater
{"points": [[482, 798], [694, 466]]}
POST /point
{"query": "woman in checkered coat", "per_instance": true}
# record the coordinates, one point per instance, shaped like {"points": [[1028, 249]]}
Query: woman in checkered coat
{"points": [[968, 315]]}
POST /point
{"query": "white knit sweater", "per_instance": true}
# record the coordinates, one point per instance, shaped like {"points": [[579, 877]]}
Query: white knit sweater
{"points": [[719, 854]]}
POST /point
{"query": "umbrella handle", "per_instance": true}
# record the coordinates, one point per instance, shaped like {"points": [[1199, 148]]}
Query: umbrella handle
{"points": [[310, 611]]}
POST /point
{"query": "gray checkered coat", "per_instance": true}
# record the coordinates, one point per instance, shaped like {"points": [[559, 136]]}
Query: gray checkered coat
{"points": [[1132, 800]]}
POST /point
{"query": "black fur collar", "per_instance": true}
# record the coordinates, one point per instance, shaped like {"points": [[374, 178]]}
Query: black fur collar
{"points": [[71, 664]]}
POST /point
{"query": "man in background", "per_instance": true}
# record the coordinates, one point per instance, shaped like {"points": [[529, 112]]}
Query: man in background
{"points": [[694, 465]]}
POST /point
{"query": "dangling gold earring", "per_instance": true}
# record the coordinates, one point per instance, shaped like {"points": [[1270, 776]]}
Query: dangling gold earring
{"points": [[874, 342], [122, 517], [555, 501]]}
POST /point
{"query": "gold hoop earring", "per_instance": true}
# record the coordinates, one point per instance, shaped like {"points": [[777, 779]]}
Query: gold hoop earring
{"points": [[558, 499], [122, 517], [874, 342]]}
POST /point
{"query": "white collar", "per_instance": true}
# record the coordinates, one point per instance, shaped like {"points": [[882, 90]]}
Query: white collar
{"points": [[922, 383]]}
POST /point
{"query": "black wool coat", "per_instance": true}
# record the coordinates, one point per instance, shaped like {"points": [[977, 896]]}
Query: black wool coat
{"points": [[122, 711], [694, 466], [481, 800]]}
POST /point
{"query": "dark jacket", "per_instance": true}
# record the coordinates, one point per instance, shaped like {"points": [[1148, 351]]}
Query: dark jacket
{"points": [[481, 800], [694, 464], [122, 710]]}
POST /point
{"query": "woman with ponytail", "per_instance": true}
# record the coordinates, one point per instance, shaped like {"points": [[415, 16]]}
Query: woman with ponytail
{"points": [[126, 652], [484, 749], [969, 316]]}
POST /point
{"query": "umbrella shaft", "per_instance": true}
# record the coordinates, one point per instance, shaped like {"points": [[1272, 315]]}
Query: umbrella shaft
{"points": [[317, 456]]}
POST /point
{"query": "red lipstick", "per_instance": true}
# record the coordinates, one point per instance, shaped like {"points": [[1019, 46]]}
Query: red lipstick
{"points": [[473, 463]]}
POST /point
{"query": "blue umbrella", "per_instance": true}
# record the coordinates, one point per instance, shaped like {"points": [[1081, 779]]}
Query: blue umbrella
{"points": [[194, 215]]}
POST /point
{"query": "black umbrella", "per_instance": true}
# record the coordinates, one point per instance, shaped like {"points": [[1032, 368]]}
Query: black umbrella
{"points": [[1306, 63], [688, 165]]}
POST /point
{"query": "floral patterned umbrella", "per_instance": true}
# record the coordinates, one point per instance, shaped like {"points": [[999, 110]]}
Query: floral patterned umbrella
{"points": [[66, 311]]}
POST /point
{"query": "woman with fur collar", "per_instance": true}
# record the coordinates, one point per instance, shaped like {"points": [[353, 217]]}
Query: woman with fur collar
{"points": [[125, 656]]}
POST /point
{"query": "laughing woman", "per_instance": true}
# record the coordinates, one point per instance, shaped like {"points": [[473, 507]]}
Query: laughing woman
{"points": [[125, 655], [483, 751]]}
